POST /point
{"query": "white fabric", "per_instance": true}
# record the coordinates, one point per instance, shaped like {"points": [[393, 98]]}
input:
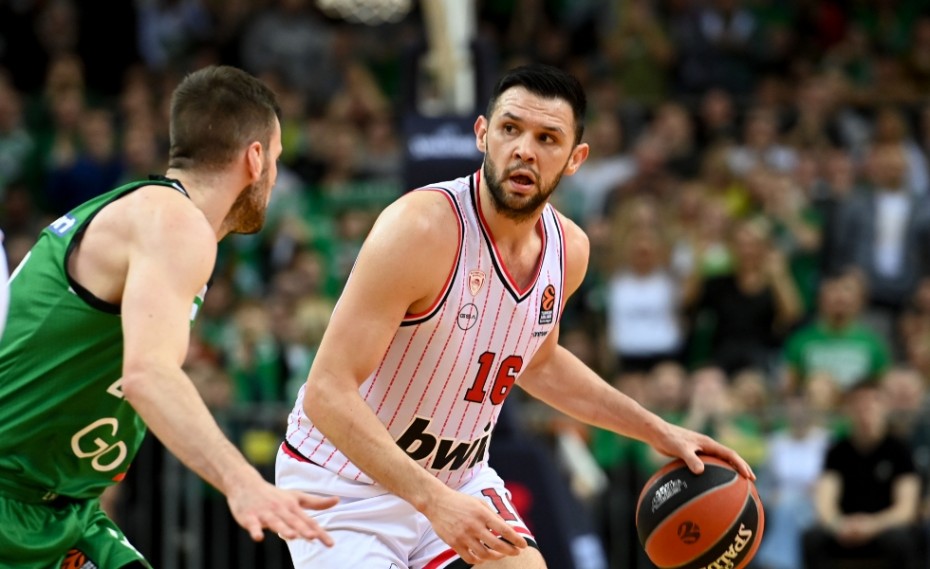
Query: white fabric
{"points": [[890, 225], [4, 286], [795, 463], [373, 528], [642, 314]]}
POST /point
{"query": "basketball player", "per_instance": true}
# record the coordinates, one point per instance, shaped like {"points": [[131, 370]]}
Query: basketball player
{"points": [[98, 328], [454, 299]]}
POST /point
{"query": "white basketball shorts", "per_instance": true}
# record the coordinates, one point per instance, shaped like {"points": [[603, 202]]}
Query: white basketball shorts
{"points": [[373, 529]]}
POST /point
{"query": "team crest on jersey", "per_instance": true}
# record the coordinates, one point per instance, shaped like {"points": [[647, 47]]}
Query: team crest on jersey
{"points": [[475, 281], [547, 305]]}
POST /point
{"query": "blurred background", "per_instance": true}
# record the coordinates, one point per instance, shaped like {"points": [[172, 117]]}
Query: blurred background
{"points": [[757, 198]]}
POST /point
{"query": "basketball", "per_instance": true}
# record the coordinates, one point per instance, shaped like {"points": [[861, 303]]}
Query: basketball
{"points": [[709, 521]]}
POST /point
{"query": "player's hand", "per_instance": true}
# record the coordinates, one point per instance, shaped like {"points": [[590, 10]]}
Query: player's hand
{"points": [[682, 443], [265, 506], [472, 528]]}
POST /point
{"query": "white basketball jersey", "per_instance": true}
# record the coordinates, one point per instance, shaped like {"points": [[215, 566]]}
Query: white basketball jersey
{"points": [[441, 383]]}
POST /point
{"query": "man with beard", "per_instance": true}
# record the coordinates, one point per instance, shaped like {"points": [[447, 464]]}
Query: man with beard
{"points": [[98, 328], [455, 298]]}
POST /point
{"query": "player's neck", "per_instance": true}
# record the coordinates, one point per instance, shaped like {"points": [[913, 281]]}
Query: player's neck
{"points": [[210, 193], [508, 233]]}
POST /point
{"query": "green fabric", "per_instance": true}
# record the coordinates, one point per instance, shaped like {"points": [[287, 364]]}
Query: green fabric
{"points": [[803, 265], [39, 536], [848, 355], [65, 427]]}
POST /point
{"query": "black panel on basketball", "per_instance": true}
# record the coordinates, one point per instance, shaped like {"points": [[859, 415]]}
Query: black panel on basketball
{"points": [[675, 495], [689, 521]]}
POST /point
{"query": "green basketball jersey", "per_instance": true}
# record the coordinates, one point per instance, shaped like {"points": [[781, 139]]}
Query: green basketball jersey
{"points": [[65, 427]]}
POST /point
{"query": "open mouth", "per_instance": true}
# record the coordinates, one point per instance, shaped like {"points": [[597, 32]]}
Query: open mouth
{"points": [[522, 180]]}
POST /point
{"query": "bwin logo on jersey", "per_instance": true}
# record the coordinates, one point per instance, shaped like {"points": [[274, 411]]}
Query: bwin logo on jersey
{"points": [[438, 452]]}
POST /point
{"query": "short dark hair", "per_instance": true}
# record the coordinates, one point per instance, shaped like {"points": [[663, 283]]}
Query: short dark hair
{"points": [[216, 111], [547, 82]]}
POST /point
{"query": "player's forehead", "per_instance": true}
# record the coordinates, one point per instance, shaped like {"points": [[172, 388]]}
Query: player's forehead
{"points": [[519, 103]]}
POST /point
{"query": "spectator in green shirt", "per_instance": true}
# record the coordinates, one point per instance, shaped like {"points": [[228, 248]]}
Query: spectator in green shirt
{"points": [[838, 343]]}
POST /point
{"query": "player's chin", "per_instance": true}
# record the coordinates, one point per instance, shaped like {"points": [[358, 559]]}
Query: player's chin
{"points": [[251, 226]]}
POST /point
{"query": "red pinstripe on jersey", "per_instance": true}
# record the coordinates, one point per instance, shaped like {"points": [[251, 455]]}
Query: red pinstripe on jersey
{"points": [[441, 381]]}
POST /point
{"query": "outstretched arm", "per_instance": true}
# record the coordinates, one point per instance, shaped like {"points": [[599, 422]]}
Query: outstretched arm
{"points": [[569, 385], [558, 378], [170, 256]]}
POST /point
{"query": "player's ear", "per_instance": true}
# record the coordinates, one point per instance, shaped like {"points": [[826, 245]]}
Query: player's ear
{"points": [[254, 162], [579, 155], [481, 132]]}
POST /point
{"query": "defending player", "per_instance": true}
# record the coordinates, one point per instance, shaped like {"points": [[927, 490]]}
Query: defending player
{"points": [[98, 328]]}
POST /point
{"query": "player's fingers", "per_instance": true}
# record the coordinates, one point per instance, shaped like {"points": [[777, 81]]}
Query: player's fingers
{"points": [[323, 536], [311, 502], [468, 557], [480, 551], [467, 554], [506, 532], [298, 524], [743, 467], [733, 458], [499, 545], [254, 527], [694, 462]]}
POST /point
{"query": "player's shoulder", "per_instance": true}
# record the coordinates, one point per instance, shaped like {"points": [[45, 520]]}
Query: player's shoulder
{"points": [[414, 231], [420, 214], [163, 213], [576, 240], [577, 251]]}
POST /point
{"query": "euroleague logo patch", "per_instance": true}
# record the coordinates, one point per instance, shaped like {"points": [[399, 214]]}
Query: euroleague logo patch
{"points": [[77, 559], [547, 305]]}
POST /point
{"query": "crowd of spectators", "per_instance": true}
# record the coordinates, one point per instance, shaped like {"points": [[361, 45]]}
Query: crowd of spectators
{"points": [[757, 198]]}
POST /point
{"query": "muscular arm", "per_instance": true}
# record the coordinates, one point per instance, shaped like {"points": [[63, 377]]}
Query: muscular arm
{"points": [[400, 269], [558, 378], [170, 257]]}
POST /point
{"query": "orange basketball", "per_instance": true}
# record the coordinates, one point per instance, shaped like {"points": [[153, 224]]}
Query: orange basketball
{"points": [[709, 521]]}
